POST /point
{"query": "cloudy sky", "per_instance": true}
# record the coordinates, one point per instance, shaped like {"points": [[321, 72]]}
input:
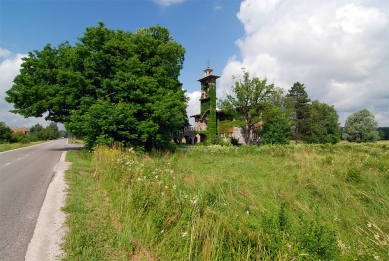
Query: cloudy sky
{"points": [[338, 48]]}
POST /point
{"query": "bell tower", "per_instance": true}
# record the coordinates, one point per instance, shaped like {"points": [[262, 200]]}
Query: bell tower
{"points": [[208, 91]]}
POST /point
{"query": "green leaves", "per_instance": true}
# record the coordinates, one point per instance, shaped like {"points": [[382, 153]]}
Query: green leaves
{"points": [[5, 133], [276, 128], [300, 103], [112, 85], [361, 126], [247, 100], [323, 124]]}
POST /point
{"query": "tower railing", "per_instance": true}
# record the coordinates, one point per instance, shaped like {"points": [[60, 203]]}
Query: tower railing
{"points": [[188, 131]]}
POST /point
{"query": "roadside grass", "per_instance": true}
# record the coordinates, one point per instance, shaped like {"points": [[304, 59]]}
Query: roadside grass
{"points": [[12, 146], [76, 141], [304, 202]]}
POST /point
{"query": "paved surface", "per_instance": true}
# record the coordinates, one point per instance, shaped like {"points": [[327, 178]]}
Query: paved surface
{"points": [[25, 175], [49, 230]]}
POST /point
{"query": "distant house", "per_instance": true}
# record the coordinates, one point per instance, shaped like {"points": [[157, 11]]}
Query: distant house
{"points": [[23, 130], [224, 122]]}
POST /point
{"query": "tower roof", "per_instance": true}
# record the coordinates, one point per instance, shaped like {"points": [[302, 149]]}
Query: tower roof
{"points": [[208, 75]]}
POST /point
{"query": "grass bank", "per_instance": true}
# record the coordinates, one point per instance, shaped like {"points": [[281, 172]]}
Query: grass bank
{"points": [[309, 202], [12, 146]]}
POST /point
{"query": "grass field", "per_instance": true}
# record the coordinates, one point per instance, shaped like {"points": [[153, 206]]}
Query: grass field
{"points": [[305, 202]]}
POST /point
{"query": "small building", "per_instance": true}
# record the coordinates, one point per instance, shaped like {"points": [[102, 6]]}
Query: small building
{"points": [[23, 130]]}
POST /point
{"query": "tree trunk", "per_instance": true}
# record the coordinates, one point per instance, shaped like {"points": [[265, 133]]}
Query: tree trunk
{"points": [[247, 138], [296, 133]]}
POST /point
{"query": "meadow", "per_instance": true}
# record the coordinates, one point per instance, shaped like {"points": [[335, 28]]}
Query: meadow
{"points": [[304, 202]]}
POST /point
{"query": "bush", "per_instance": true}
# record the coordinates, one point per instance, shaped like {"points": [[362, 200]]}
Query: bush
{"points": [[19, 137], [234, 142]]}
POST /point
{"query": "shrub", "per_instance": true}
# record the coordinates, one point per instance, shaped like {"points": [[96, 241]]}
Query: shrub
{"points": [[234, 142]]}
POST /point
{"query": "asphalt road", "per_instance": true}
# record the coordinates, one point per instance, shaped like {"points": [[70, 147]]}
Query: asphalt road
{"points": [[25, 175]]}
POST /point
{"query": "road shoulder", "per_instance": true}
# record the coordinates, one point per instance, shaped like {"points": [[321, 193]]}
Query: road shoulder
{"points": [[50, 230]]}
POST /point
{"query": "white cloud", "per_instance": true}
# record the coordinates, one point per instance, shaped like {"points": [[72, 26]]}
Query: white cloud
{"points": [[168, 2], [218, 7], [9, 68], [4, 52], [337, 48], [193, 105]]}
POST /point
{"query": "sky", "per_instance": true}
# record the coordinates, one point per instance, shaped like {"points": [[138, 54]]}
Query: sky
{"points": [[339, 49]]}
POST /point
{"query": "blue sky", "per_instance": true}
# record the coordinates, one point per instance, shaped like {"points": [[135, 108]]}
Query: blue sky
{"points": [[337, 48]]}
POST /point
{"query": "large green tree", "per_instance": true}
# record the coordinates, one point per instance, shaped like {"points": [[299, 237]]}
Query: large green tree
{"points": [[297, 99], [361, 126], [110, 71], [37, 132], [247, 98], [276, 127], [323, 124], [51, 131]]}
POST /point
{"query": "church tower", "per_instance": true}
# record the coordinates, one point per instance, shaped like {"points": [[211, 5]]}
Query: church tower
{"points": [[208, 91]]}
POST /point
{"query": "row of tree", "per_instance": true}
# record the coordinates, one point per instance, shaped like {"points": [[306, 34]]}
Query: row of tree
{"points": [[120, 87], [292, 115], [36, 133]]}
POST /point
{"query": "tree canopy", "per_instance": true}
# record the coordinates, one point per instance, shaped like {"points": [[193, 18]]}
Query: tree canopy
{"points": [[323, 124], [112, 86], [361, 126], [247, 98], [276, 127], [300, 105], [5, 132]]}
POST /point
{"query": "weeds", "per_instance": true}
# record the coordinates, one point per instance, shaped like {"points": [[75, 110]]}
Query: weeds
{"points": [[215, 202]]}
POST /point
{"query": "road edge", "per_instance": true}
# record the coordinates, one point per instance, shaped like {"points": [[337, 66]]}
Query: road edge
{"points": [[49, 230]]}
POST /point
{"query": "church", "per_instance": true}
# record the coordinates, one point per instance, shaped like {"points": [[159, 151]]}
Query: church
{"points": [[212, 120]]}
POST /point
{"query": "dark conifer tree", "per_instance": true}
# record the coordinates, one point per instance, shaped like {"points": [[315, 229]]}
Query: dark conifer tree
{"points": [[301, 106]]}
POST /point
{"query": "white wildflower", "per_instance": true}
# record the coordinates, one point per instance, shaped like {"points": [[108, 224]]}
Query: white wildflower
{"points": [[184, 234], [194, 200], [248, 212]]}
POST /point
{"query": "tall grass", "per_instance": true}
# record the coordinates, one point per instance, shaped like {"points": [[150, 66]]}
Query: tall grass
{"points": [[310, 202]]}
